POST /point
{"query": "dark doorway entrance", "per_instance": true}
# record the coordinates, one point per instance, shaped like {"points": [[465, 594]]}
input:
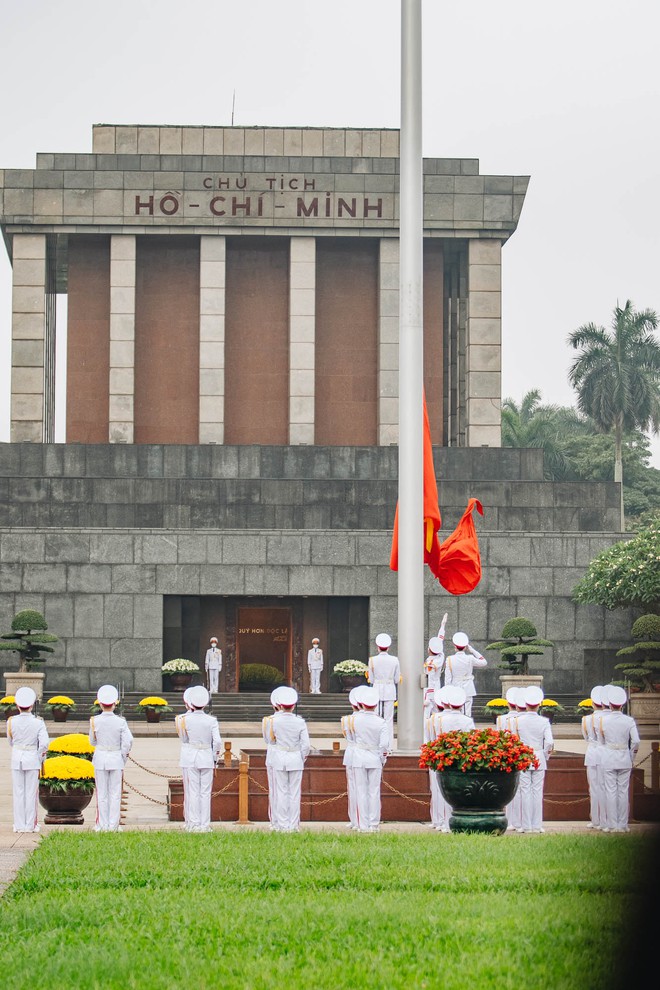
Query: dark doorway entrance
{"points": [[263, 635]]}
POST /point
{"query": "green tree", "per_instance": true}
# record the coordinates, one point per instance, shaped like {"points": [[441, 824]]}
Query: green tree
{"points": [[626, 574], [519, 641], [532, 424], [28, 638], [617, 376], [644, 664]]}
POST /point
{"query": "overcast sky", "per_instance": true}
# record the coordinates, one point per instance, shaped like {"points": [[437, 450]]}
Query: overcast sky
{"points": [[566, 92]]}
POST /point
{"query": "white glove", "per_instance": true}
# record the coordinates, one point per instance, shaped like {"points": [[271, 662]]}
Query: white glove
{"points": [[441, 630]]}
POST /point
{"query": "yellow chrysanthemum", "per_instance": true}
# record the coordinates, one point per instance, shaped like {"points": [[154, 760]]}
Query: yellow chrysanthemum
{"points": [[153, 702], [61, 699], [9, 699], [587, 703], [67, 768], [497, 703], [73, 742], [549, 703]]}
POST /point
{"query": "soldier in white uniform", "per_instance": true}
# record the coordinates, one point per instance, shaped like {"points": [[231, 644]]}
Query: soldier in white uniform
{"points": [[28, 740], [348, 732], [213, 665], [200, 748], [589, 729], [370, 752], [459, 668], [620, 744], [449, 718], [534, 730], [288, 746], [509, 723], [315, 666], [111, 736], [385, 675]]}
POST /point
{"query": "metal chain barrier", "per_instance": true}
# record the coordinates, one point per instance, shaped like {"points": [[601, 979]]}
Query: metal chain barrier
{"points": [[407, 797]]}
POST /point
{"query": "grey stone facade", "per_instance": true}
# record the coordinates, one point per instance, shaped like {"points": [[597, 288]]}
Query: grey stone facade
{"points": [[101, 586]]}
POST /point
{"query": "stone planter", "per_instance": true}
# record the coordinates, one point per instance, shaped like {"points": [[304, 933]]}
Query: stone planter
{"points": [[64, 807], [478, 798], [645, 708], [519, 681], [33, 679]]}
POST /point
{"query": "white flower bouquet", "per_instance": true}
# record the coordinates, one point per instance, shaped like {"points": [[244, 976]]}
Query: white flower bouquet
{"points": [[179, 666], [350, 668]]}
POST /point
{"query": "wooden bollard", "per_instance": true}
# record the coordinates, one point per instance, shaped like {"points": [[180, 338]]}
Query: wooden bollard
{"points": [[227, 754], [243, 784], [336, 745]]}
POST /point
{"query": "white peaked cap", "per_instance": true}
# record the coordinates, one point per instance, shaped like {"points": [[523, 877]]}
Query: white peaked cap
{"points": [[533, 695], [369, 696], [460, 639], [284, 695], [199, 696], [604, 694], [107, 694], [616, 695], [435, 644], [520, 698], [597, 694], [186, 696], [440, 697], [455, 695], [511, 695], [384, 640], [353, 696], [25, 697]]}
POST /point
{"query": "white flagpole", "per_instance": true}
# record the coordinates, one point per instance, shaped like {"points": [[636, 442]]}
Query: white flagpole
{"points": [[411, 487]]}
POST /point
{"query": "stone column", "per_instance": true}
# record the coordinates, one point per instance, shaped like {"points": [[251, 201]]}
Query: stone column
{"points": [[302, 318], [122, 338], [212, 339], [28, 337], [484, 344], [388, 342]]}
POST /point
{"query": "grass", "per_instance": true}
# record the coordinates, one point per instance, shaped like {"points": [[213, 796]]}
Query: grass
{"points": [[255, 911]]}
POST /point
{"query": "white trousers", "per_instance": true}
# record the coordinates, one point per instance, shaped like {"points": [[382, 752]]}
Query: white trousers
{"points": [[214, 676], [440, 810], [513, 810], [367, 797], [108, 799], [615, 788], [386, 711], [26, 798], [284, 787], [596, 808], [315, 681], [197, 784], [530, 785], [352, 802]]}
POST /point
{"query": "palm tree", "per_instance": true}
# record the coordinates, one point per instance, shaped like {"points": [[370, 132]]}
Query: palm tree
{"points": [[617, 376], [531, 424]]}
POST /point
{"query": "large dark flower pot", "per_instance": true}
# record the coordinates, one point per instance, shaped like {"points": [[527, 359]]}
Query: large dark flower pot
{"points": [[478, 798], [350, 681], [60, 714], [64, 807], [180, 681], [151, 715]]}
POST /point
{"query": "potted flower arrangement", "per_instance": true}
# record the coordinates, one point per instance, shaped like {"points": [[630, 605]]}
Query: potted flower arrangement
{"points": [[585, 707], [549, 708], [496, 707], [153, 707], [180, 671], [478, 775], [351, 673], [8, 706], [60, 706], [259, 677], [72, 744], [66, 787]]}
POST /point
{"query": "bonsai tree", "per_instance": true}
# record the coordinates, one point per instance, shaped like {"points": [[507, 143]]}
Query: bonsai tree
{"points": [[520, 640], [626, 574], [28, 638], [642, 668]]}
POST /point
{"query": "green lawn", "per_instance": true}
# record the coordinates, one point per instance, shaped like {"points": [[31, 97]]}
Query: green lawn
{"points": [[323, 911]]}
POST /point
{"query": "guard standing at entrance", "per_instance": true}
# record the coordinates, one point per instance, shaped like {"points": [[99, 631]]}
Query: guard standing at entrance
{"points": [[315, 666], [213, 665]]}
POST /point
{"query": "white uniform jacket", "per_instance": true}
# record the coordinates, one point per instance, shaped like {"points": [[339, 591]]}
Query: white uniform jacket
{"points": [[433, 669], [287, 741], [372, 738], [384, 674], [315, 659], [111, 736], [445, 721], [590, 736], [503, 722], [620, 740], [348, 731], [213, 659], [28, 739], [534, 730], [459, 670], [200, 740]]}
